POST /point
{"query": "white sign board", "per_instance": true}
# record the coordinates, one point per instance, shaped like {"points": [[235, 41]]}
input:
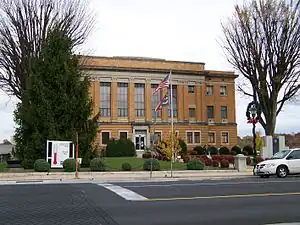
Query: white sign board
{"points": [[58, 152]]}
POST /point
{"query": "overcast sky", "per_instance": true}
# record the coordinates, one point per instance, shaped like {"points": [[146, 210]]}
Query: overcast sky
{"points": [[171, 29]]}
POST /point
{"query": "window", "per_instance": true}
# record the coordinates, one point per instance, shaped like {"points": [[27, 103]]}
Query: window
{"points": [[197, 137], [104, 99], [209, 90], [123, 135], [104, 137], [223, 112], [191, 89], [225, 138], [174, 101], [192, 112], [223, 91], [189, 138], [155, 100], [210, 112], [122, 99], [157, 137], [139, 100], [295, 154], [211, 137]]}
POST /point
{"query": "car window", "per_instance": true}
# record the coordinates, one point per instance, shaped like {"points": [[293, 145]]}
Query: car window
{"points": [[281, 154], [295, 154]]}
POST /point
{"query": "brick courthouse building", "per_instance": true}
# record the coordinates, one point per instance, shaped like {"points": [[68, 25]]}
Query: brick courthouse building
{"points": [[203, 101]]}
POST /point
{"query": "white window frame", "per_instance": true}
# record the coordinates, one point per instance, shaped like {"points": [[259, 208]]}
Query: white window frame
{"points": [[123, 131], [215, 133], [199, 137], [161, 133], [104, 131], [225, 93], [207, 88], [222, 132], [186, 137]]}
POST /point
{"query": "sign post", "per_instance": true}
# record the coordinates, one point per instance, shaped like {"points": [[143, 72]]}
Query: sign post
{"points": [[58, 152], [76, 174]]}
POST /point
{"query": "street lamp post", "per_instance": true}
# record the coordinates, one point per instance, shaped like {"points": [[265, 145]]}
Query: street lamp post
{"points": [[253, 115]]}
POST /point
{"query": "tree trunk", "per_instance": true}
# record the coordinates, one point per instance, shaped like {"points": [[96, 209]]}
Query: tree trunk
{"points": [[270, 125]]}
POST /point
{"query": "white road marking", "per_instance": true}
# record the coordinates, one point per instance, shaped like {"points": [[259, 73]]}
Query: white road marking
{"points": [[208, 184], [124, 192]]}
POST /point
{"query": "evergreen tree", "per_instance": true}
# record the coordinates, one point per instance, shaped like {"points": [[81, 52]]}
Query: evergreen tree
{"points": [[57, 102]]}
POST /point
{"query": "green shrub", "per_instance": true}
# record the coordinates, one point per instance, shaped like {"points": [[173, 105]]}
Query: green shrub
{"points": [[97, 165], [27, 163], [3, 166], [88, 156], [183, 147], [248, 149], [213, 150], [155, 164], [69, 165], [224, 163], [232, 153], [236, 149], [195, 164], [41, 165], [200, 150], [120, 148], [224, 151], [126, 167]]}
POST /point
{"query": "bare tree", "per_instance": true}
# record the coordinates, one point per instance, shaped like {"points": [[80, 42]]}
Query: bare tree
{"points": [[24, 25], [262, 41]]}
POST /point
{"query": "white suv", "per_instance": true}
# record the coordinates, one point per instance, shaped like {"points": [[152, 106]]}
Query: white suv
{"points": [[281, 164]]}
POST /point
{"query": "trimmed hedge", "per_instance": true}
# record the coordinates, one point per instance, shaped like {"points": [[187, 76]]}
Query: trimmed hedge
{"points": [[41, 165], [97, 165], [200, 150], [120, 148], [248, 149], [195, 164], [213, 150], [224, 151], [155, 164], [69, 165], [236, 149], [27, 163], [126, 167]]}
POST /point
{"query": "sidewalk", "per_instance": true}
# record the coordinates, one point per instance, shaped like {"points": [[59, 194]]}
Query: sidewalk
{"points": [[131, 175]]}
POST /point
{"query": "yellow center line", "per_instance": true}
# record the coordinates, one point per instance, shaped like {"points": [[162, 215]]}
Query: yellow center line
{"points": [[225, 196]]}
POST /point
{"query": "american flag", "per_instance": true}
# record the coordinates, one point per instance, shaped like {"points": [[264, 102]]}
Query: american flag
{"points": [[163, 102], [164, 84]]}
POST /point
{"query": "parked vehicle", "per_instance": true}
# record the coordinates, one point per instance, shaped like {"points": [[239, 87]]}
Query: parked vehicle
{"points": [[281, 164]]}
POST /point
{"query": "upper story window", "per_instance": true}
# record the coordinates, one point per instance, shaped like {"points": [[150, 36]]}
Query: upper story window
{"points": [[210, 112], [139, 100], [223, 112], [192, 112], [174, 101], [191, 89], [223, 90], [209, 90], [155, 100], [105, 109], [122, 99]]}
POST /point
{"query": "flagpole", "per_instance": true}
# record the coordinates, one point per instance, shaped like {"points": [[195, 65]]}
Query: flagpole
{"points": [[153, 139], [172, 123]]}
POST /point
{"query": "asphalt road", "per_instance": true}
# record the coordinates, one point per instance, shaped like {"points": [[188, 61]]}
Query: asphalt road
{"points": [[239, 201]]}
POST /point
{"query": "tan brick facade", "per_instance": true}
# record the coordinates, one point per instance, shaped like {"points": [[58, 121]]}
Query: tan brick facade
{"points": [[191, 81]]}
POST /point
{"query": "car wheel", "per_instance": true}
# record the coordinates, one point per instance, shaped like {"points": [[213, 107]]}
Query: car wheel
{"points": [[282, 171]]}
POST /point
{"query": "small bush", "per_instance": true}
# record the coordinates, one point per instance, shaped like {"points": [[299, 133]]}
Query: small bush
{"points": [[213, 150], [215, 163], [3, 166], [97, 165], [69, 165], [248, 161], [232, 152], [236, 149], [41, 165], [126, 167], [183, 146], [224, 163], [244, 153], [27, 163], [155, 164], [195, 164], [200, 150], [248, 149], [224, 151]]}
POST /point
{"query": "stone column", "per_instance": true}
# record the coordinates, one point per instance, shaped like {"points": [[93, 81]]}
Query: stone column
{"points": [[131, 106], [180, 102], [185, 102], [148, 97], [114, 100]]}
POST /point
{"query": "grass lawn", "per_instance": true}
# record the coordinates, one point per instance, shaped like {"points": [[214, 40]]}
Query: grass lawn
{"points": [[115, 163]]}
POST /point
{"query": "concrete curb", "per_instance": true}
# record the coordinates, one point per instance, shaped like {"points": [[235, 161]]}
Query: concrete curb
{"points": [[124, 175]]}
